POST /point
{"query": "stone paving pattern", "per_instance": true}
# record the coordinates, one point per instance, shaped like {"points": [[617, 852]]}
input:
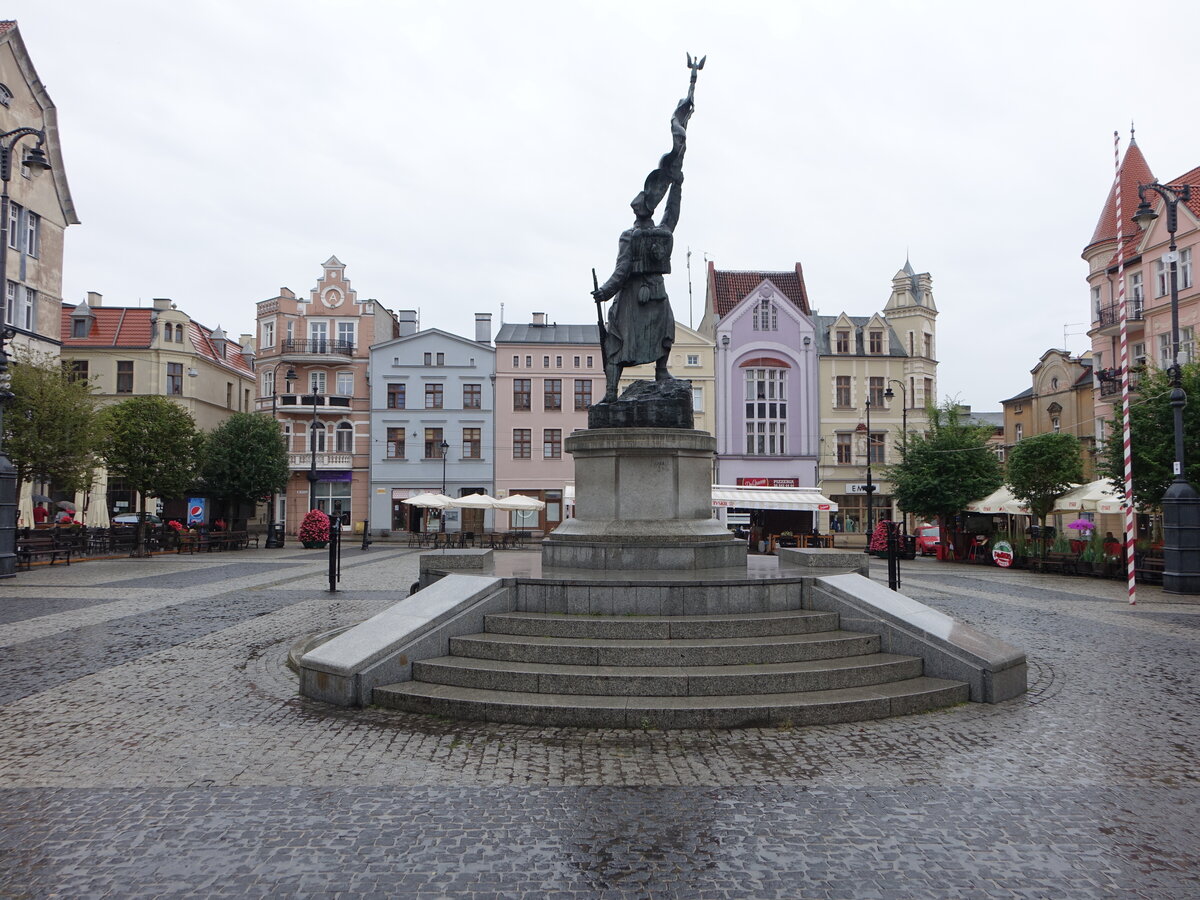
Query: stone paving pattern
{"points": [[152, 743]]}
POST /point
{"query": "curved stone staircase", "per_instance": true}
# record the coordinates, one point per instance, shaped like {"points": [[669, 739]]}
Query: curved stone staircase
{"points": [[789, 667]]}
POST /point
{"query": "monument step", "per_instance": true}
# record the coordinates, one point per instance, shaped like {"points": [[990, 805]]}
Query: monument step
{"points": [[668, 681], [685, 652], [913, 695], [757, 624]]}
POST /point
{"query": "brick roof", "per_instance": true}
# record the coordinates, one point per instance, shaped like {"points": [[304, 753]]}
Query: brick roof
{"points": [[7, 26], [1134, 171], [728, 288]]}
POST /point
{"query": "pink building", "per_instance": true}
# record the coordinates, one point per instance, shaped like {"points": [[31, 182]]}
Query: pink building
{"points": [[322, 341], [546, 377], [1147, 284]]}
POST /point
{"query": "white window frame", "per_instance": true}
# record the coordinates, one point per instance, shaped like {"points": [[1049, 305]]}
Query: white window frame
{"points": [[697, 399], [766, 435], [33, 233], [345, 384], [346, 333], [27, 308], [268, 334], [269, 383], [343, 438], [1187, 344], [317, 382], [1185, 268], [693, 359]]}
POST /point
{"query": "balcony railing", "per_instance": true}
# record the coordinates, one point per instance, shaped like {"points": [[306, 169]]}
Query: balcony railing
{"points": [[1110, 381], [317, 346], [324, 461], [1111, 315]]}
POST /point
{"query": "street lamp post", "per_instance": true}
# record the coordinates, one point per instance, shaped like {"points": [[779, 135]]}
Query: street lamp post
{"points": [[444, 447], [870, 483], [275, 541], [312, 451], [888, 395], [1180, 503], [35, 160]]}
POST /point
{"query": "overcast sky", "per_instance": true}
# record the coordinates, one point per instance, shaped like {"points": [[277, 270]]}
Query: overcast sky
{"points": [[464, 157]]}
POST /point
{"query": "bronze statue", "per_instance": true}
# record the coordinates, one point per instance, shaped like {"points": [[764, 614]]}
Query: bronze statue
{"points": [[641, 327]]}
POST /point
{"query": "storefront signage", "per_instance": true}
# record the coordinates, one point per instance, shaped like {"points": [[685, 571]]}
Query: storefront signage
{"points": [[1002, 554], [860, 488], [335, 476], [823, 507], [769, 482]]}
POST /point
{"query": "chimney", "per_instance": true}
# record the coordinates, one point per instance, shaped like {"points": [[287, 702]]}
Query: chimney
{"points": [[408, 321], [483, 328], [162, 303], [94, 299], [539, 318]]}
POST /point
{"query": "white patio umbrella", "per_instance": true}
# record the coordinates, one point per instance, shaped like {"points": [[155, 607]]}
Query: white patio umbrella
{"points": [[429, 501], [475, 501], [520, 501], [1095, 496]]}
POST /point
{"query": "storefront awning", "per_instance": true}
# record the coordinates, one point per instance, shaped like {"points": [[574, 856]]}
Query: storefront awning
{"points": [[744, 497]]}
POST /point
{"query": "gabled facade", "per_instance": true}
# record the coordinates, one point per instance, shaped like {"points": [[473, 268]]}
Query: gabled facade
{"points": [[38, 207], [159, 351], [692, 359], [547, 375], [1147, 285], [862, 358], [323, 340], [428, 388], [766, 372], [1059, 400]]}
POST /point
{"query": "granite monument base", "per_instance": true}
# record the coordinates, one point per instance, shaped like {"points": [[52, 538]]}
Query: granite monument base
{"points": [[643, 501]]}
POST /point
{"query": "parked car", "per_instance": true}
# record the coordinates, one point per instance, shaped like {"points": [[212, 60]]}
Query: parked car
{"points": [[928, 538], [132, 519]]}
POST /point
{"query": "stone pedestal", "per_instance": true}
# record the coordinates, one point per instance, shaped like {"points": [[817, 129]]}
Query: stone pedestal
{"points": [[643, 500]]}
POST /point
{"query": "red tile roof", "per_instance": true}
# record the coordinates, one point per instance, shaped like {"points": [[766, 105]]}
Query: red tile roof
{"points": [[117, 327], [728, 289], [1134, 171], [113, 327], [7, 26]]}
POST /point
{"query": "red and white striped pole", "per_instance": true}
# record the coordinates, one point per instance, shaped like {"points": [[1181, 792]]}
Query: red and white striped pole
{"points": [[1126, 442]]}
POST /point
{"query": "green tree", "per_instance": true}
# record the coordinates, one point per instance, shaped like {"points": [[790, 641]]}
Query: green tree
{"points": [[152, 444], [1042, 468], [50, 425], [1152, 433], [947, 467], [245, 459]]}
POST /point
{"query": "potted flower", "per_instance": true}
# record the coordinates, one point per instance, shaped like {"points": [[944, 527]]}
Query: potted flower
{"points": [[314, 530]]}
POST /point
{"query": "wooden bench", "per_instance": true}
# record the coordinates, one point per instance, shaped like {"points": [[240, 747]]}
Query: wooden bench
{"points": [[1149, 569], [41, 547], [1064, 563], [191, 542]]}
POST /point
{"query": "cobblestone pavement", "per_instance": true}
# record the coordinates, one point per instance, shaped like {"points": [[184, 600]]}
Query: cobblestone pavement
{"points": [[152, 744]]}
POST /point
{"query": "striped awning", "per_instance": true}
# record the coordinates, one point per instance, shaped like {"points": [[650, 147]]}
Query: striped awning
{"points": [[745, 497]]}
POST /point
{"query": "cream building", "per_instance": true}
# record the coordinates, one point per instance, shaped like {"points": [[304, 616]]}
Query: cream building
{"points": [[862, 359], [1060, 399], [692, 359], [156, 351], [38, 206]]}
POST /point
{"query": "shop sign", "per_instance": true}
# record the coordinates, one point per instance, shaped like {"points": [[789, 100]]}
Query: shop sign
{"points": [[196, 509], [1002, 554], [861, 488], [823, 507], [335, 476], [756, 481]]}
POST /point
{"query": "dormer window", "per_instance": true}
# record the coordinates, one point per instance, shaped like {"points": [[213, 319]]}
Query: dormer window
{"points": [[80, 327], [876, 341], [842, 341]]}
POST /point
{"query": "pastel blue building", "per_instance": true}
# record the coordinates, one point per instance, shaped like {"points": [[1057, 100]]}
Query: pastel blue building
{"points": [[432, 403]]}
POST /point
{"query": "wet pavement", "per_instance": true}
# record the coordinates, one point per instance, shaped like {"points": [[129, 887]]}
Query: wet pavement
{"points": [[152, 744]]}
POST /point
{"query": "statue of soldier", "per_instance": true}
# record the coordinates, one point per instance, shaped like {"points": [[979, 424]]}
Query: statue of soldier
{"points": [[641, 327]]}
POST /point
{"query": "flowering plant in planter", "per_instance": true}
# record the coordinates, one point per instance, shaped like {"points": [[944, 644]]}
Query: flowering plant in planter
{"points": [[175, 525], [314, 528]]}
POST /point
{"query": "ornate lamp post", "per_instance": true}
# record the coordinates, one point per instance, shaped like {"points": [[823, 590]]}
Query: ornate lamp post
{"points": [[444, 447], [1180, 503], [8, 472], [275, 541], [35, 160], [888, 395], [312, 448], [870, 483]]}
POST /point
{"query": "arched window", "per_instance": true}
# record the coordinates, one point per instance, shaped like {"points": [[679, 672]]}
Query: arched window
{"points": [[179, 334], [316, 438], [344, 438]]}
